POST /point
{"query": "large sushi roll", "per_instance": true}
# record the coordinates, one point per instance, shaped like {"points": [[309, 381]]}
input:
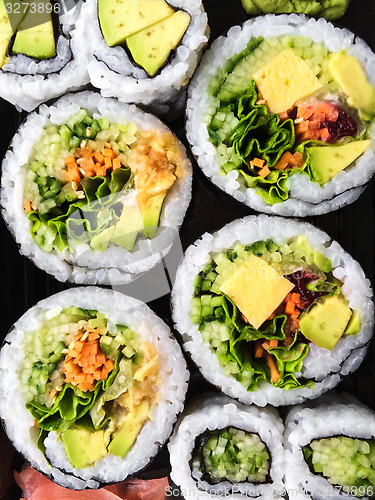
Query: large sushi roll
{"points": [[91, 384], [143, 51], [94, 191], [280, 115], [223, 448], [40, 57], [330, 450], [272, 310]]}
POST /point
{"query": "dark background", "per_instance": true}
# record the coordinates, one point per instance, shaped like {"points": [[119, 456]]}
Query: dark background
{"points": [[22, 284]]}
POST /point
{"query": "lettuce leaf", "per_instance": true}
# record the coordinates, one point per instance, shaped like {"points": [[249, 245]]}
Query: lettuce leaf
{"points": [[70, 405], [79, 220]]}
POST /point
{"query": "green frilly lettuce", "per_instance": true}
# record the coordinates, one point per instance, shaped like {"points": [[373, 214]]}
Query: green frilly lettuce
{"points": [[79, 220]]}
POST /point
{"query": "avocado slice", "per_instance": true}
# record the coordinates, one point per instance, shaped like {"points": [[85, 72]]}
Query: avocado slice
{"points": [[125, 437], [9, 24], [121, 18], [325, 323], [151, 214], [327, 161], [348, 73], [127, 228], [101, 240], [84, 447], [354, 325], [35, 36], [151, 47]]}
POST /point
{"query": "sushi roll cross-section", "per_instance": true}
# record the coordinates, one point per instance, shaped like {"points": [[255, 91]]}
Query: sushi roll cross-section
{"points": [[143, 51], [89, 391], [281, 115], [222, 448], [271, 310], [330, 450], [39, 56], [100, 184]]}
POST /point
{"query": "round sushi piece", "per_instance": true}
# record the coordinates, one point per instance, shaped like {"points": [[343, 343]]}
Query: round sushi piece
{"points": [[280, 115], [91, 384], [329, 10], [40, 56], [143, 51], [94, 191], [330, 450], [221, 447], [272, 310]]}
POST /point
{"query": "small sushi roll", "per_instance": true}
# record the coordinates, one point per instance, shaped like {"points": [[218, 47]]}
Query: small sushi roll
{"points": [[91, 384], [330, 450], [143, 51], [94, 191], [40, 57], [330, 10], [272, 311], [221, 447], [280, 115]]}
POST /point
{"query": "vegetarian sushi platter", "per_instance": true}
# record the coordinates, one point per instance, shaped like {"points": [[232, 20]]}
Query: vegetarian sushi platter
{"points": [[188, 244]]}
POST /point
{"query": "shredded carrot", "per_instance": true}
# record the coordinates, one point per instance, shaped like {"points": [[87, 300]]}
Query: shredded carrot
{"points": [[85, 362], [281, 164], [257, 162], [304, 112], [295, 297], [295, 314], [53, 393], [258, 349], [263, 172], [116, 163], [27, 206], [324, 134], [289, 308], [266, 345], [313, 125], [302, 127], [283, 116], [275, 374], [273, 343]]}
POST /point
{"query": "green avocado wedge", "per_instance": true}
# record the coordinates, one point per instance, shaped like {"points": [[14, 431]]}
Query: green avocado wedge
{"points": [[122, 18], [325, 323], [9, 23], [35, 36], [328, 161], [84, 447], [126, 436], [151, 47]]}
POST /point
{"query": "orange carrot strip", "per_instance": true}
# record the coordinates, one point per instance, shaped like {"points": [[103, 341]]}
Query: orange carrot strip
{"points": [[258, 349], [116, 163], [27, 205], [266, 345], [289, 308], [281, 164], [275, 374], [304, 112], [283, 116], [263, 172], [295, 314], [99, 157], [101, 171], [108, 162], [301, 127], [257, 162], [53, 393], [273, 343], [295, 297], [324, 134]]}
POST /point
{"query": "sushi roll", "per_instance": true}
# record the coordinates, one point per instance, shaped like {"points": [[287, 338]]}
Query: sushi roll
{"points": [[272, 311], [40, 57], [330, 450], [94, 191], [143, 51], [330, 10], [280, 115], [91, 384], [222, 448]]}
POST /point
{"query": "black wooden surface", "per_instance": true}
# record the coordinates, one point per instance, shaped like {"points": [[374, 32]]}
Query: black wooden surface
{"points": [[22, 284]]}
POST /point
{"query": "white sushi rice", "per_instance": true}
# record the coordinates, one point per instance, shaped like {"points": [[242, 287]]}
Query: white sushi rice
{"points": [[324, 366], [334, 416], [85, 265], [19, 423], [213, 411], [306, 197], [26, 82], [112, 71]]}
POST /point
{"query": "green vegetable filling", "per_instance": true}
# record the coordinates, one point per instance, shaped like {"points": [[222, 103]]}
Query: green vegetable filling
{"points": [[235, 341], [346, 462], [236, 456]]}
